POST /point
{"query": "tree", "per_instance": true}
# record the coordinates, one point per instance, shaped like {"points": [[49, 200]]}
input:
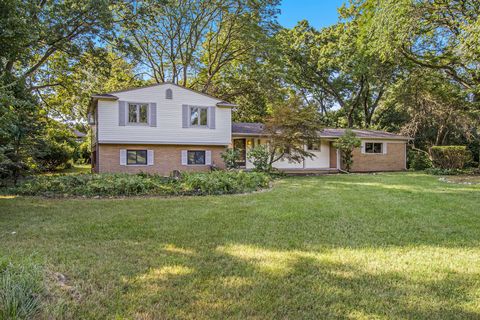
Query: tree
{"points": [[179, 40], [56, 148], [331, 68], [290, 127], [95, 71], [436, 35], [21, 124], [346, 144], [35, 30]]}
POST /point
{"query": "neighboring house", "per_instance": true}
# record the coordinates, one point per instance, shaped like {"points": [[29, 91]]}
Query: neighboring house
{"points": [[165, 127]]}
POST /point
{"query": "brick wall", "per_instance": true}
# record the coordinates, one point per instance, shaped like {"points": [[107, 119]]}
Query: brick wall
{"points": [[394, 160], [166, 158]]}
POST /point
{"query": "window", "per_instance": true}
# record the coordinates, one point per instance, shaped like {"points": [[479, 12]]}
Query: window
{"points": [[196, 157], [136, 157], [314, 146], [198, 117], [373, 147], [137, 113], [168, 94]]}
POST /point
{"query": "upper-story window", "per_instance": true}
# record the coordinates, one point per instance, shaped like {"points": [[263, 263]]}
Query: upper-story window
{"points": [[168, 94], [373, 147], [137, 113], [198, 116]]}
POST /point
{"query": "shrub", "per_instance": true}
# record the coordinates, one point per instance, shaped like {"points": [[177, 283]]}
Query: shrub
{"points": [[449, 157], [215, 182], [230, 157], [446, 172], [259, 157], [418, 160], [20, 290], [346, 144]]}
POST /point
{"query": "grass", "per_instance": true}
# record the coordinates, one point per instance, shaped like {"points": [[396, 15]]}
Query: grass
{"points": [[358, 246]]}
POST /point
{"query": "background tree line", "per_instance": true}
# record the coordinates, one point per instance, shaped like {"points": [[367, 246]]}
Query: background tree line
{"points": [[402, 66]]}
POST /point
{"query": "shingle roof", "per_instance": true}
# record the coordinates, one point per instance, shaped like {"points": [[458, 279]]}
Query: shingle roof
{"points": [[361, 133], [257, 129], [254, 128]]}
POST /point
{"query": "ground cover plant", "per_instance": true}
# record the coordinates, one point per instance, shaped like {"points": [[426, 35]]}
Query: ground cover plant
{"points": [[101, 185], [358, 246]]}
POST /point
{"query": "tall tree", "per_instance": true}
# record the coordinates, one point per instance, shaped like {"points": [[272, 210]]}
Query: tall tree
{"points": [[333, 70], [439, 35], [95, 71], [35, 30], [178, 40]]}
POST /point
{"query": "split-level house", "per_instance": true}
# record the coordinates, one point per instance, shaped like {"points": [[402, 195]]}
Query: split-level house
{"points": [[165, 127]]}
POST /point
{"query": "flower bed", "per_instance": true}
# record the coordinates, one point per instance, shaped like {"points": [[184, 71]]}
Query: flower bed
{"points": [[108, 185]]}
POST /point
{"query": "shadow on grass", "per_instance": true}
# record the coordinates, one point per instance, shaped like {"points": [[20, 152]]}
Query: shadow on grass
{"points": [[241, 281]]}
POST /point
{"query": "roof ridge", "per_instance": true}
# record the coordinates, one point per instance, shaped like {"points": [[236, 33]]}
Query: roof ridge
{"points": [[161, 84]]}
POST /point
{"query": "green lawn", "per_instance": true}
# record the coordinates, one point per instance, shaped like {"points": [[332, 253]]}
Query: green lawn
{"points": [[358, 246]]}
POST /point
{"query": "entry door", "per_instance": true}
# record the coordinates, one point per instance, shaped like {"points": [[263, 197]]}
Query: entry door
{"points": [[240, 145]]}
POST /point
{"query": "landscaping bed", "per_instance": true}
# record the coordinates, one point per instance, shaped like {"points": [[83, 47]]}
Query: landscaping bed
{"points": [[118, 185]]}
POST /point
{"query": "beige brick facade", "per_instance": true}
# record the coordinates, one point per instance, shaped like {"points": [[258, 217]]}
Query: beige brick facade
{"points": [[393, 160], [166, 158]]}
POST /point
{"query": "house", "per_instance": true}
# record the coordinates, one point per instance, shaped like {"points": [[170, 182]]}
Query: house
{"points": [[165, 127]]}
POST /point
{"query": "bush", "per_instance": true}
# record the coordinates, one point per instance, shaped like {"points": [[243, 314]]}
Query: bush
{"points": [[418, 160], [259, 157], [230, 157], [20, 290], [446, 172], [449, 157], [215, 182]]}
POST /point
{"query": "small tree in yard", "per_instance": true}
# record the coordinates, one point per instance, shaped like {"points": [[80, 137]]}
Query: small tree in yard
{"points": [[260, 158], [230, 158], [346, 144], [291, 126]]}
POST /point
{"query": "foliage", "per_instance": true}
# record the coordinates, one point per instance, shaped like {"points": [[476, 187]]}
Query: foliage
{"points": [[21, 127], [230, 158], [259, 156], [447, 172], [96, 71], [346, 144], [215, 182], [436, 35], [331, 69], [56, 148], [449, 157], [189, 42], [219, 182], [20, 290], [418, 159], [290, 127]]}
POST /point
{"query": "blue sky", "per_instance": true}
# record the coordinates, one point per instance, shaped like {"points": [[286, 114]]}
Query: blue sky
{"points": [[319, 13]]}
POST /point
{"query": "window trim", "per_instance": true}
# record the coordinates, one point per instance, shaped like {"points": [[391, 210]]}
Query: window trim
{"points": [[197, 164], [137, 164], [190, 109], [364, 149], [138, 105]]}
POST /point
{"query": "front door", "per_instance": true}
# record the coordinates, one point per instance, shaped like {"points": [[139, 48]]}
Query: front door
{"points": [[241, 146]]}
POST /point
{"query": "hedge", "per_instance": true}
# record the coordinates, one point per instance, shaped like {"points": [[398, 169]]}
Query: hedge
{"points": [[91, 185]]}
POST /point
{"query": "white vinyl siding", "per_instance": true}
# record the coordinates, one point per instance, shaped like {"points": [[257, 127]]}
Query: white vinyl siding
{"points": [[168, 129]]}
